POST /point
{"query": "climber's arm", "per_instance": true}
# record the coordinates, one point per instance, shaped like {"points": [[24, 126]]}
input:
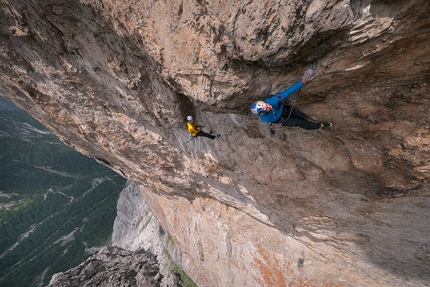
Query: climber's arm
{"points": [[292, 89]]}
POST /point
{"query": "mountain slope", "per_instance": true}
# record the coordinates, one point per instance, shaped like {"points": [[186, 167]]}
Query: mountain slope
{"points": [[56, 204]]}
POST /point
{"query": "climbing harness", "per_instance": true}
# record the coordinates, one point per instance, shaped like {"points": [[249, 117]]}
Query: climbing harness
{"points": [[282, 120]]}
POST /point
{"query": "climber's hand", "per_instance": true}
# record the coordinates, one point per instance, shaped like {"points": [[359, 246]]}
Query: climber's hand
{"points": [[307, 76]]}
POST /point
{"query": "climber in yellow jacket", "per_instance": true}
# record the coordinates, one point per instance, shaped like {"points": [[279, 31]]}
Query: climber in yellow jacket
{"points": [[195, 129]]}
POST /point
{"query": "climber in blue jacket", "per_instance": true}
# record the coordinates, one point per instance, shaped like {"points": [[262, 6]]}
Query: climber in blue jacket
{"points": [[272, 110]]}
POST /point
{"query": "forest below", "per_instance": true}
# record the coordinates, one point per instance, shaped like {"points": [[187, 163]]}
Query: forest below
{"points": [[57, 206]]}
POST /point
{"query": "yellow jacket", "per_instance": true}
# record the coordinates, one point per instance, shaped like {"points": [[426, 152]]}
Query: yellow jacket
{"points": [[192, 128]]}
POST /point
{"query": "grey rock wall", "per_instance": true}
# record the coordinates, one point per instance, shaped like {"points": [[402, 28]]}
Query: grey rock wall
{"points": [[136, 228], [112, 267]]}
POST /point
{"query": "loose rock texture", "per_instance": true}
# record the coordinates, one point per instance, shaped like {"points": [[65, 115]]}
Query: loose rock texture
{"points": [[347, 206], [112, 267]]}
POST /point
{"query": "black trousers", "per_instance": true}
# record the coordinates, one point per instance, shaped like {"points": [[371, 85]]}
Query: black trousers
{"points": [[203, 134], [296, 119]]}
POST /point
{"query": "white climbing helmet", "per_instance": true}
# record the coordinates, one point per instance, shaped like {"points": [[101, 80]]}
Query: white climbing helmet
{"points": [[259, 108], [189, 118]]}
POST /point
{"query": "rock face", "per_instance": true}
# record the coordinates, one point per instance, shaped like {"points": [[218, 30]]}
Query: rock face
{"points": [[348, 206], [136, 229], [112, 267]]}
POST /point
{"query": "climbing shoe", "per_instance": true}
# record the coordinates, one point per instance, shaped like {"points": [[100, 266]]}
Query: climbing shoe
{"points": [[327, 124]]}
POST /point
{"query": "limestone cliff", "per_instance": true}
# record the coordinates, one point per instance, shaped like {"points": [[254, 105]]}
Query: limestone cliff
{"points": [[348, 206]]}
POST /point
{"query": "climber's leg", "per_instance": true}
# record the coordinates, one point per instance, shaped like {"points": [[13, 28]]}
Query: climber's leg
{"points": [[295, 113], [203, 134], [301, 123]]}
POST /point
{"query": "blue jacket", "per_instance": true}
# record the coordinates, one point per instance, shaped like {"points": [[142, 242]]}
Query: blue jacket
{"points": [[276, 103]]}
